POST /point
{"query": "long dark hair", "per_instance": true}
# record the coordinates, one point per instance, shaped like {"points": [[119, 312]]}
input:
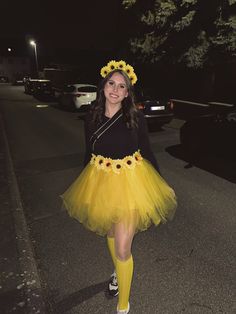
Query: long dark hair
{"points": [[127, 106]]}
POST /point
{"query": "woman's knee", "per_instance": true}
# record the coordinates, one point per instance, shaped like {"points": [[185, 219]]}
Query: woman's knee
{"points": [[123, 248], [123, 253], [123, 241]]}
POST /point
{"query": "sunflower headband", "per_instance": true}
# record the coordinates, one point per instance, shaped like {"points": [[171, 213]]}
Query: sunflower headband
{"points": [[119, 65]]}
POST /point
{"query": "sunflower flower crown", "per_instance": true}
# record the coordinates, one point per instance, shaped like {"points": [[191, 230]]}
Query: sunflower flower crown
{"points": [[119, 65]]}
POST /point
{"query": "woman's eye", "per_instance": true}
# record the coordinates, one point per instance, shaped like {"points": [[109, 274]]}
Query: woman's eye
{"points": [[122, 86], [110, 83]]}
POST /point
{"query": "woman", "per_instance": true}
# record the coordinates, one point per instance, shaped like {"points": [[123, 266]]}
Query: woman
{"points": [[120, 191]]}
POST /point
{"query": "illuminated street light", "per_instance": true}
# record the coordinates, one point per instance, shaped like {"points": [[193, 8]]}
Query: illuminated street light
{"points": [[33, 43], [9, 49]]}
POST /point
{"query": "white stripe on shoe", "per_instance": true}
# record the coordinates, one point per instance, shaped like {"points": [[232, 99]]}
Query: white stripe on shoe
{"points": [[113, 285]]}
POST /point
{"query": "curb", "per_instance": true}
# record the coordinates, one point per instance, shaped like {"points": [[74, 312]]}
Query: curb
{"points": [[34, 301]]}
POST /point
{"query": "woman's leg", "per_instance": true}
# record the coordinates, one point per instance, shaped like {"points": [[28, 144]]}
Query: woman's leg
{"points": [[124, 262]]}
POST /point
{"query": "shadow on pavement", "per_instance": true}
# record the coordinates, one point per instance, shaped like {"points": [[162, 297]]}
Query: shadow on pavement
{"points": [[78, 297], [155, 128], [44, 98], [217, 165]]}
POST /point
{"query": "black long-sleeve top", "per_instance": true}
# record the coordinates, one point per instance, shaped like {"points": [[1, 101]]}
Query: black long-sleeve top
{"points": [[119, 141]]}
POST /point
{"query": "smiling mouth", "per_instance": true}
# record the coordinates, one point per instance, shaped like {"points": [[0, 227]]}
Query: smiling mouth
{"points": [[114, 96]]}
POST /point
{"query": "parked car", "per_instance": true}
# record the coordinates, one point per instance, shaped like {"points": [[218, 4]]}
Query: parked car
{"points": [[18, 82], [157, 109], [214, 133], [76, 96], [38, 87], [4, 79], [29, 85], [43, 88], [26, 78]]}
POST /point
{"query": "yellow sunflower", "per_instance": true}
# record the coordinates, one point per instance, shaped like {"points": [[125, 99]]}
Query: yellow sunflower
{"points": [[133, 78], [137, 157], [92, 160], [99, 162], [108, 164], [104, 71], [129, 69], [121, 65], [129, 162], [117, 165], [112, 65]]}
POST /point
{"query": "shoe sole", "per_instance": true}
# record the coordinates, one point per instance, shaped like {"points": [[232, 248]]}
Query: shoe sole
{"points": [[113, 295]]}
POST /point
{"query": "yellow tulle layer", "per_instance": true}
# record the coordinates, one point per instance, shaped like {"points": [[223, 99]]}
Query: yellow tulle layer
{"points": [[134, 195]]}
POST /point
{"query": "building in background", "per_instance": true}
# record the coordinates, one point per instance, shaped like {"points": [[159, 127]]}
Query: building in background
{"points": [[15, 60], [14, 68]]}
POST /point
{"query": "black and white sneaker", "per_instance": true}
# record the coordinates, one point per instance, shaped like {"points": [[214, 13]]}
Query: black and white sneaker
{"points": [[113, 285]]}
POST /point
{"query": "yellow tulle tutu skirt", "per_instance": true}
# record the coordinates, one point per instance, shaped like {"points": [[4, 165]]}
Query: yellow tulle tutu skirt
{"points": [[128, 190]]}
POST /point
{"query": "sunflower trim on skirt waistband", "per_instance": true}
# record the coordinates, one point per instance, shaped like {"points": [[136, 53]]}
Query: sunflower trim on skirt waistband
{"points": [[116, 165]]}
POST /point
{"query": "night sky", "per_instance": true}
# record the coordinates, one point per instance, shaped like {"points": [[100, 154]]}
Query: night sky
{"points": [[86, 34], [64, 28]]}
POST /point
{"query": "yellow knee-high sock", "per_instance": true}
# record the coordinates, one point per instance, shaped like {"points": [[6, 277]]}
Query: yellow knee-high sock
{"points": [[124, 272], [111, 247]]}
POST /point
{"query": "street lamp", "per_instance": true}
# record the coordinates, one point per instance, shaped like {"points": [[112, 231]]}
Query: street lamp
{"points": [[33, 43]]}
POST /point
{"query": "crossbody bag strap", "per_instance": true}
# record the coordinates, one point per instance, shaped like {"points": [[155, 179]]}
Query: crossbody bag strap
{"points": [[103, 128]]}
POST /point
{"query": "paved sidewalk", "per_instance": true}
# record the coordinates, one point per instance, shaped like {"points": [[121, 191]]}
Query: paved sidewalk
{"points": [[11, 296], [20, 290]]}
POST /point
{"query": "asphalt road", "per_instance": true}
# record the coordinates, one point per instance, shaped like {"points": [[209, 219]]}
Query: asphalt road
{"points": [[186, 266]]}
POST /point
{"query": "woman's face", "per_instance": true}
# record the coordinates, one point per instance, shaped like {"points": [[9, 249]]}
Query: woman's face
{"points": [[115, 89]]}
